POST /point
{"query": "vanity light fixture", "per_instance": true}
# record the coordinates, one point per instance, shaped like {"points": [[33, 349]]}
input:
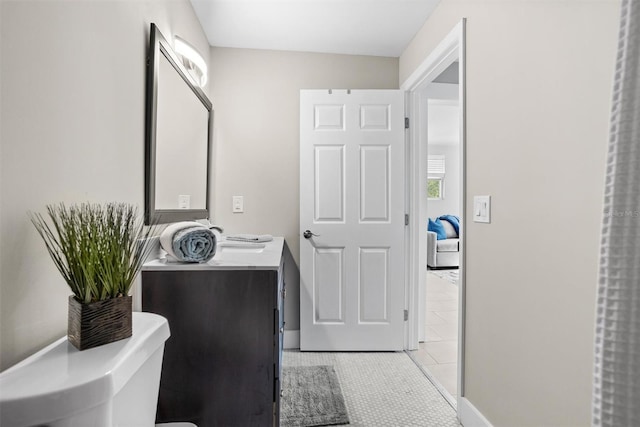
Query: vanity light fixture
{"points": [[192, 60]]}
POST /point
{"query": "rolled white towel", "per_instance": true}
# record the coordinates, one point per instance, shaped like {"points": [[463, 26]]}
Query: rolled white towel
{"points": [[189, 241]]}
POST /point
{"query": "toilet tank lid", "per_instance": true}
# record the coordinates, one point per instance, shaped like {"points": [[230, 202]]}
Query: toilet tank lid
{"points": [[65, 379]]}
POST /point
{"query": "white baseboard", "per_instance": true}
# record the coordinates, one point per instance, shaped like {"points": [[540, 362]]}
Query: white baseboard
{"points": [[470, 416], [291, 339]]}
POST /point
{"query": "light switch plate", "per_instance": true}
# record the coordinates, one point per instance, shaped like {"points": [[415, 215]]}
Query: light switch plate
{"points": [[184, 201], [238, 204], [482, 209]]}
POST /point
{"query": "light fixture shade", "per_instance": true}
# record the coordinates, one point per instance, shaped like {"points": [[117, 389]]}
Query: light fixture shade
{"points": [[192, 60]]}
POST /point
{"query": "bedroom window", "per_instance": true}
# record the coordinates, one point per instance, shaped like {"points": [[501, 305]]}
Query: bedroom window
{"points": [[435, 177], [434, 188]]}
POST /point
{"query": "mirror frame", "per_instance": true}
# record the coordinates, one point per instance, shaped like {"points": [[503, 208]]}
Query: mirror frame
{"points": [[160, 46]]}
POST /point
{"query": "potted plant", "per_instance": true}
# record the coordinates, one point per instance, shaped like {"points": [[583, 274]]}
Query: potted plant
{"points": [[99, 250]]}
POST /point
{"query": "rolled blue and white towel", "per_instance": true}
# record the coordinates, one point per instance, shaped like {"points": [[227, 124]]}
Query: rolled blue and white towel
{"points": [[189, 241]]}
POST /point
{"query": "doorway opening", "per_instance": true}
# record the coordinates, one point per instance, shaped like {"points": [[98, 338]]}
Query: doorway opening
{"points": [[436, 194], [437, 352]]}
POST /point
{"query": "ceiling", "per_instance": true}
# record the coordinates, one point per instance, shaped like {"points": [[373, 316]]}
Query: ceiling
{"points": [[355, 27]]}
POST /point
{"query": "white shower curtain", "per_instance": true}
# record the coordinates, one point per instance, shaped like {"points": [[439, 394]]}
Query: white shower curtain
{"points": [[616, 391]]}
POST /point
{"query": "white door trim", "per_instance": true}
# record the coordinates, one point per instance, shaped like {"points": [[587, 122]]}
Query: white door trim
{"points": [[470, 416], [452, 47]]}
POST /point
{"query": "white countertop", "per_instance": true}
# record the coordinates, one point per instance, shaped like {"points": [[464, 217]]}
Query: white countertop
{"points": [[230, 256]]}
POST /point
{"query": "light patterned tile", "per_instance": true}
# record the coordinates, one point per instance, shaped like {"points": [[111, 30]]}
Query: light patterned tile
{"points": [[442, 314], [450, 305], [433, 278], [447, 375], [382, 389], [422, 357], [446, 331], [447, 316], [430, 334], [438, 286], [441, 296], [433, 318], [443, 351]]}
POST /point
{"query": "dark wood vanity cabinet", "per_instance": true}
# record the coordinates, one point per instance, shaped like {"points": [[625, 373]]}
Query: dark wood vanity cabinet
{"points": [[222, 363]]}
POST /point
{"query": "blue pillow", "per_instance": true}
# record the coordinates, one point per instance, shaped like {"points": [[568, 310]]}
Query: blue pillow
{"points": [[437, 227]]}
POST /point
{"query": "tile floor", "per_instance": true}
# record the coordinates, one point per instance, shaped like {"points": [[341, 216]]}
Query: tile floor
{"points": [[382, 389], [438, 354]]}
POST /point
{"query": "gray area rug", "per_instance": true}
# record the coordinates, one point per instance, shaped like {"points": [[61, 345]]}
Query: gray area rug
{"points": [[312, 397], [449, 275]]}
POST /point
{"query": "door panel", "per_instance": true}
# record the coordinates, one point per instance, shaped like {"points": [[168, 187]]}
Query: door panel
{"points": [[329, 183], [374, 117], [374, 183], [352, 199], [374, 285], [329, 117], [329, 289]]}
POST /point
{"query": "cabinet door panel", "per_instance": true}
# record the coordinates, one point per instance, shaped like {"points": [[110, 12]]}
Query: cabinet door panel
{"points": [[218, 366]]}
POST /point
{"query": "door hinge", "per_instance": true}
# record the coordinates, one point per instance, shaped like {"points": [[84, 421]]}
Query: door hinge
{"points": [[406, 315], [406, 219], [406, 122]]}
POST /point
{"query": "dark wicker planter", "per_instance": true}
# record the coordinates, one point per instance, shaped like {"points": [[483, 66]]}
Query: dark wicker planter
{"points": [[98, 323]]}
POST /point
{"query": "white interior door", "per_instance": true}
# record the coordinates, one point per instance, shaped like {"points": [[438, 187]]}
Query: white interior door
{"points": [[352, 199]]}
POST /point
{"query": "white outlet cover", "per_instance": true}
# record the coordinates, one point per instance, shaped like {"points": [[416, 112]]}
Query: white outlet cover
{"points": [[482, 209]]}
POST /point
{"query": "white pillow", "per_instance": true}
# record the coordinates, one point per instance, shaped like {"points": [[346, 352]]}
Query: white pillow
{"points": [[448, 229]]}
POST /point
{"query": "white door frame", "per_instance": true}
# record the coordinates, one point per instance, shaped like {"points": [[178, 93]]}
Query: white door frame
{"points": [[451, 48]]}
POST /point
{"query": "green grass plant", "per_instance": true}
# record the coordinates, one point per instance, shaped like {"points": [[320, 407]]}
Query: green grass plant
{"points": [[98, 249]]}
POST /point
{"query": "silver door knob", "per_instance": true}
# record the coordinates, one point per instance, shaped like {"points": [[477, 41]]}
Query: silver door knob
{"points": [[307, 234]]}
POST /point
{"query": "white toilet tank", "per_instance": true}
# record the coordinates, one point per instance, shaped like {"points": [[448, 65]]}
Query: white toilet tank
{"points": [[114, 385]]}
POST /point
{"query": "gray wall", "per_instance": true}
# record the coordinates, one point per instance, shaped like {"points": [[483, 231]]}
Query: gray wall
{"points": [[72, 115], [72, 107], [539, 82], [256, 98], [539, 86]]}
